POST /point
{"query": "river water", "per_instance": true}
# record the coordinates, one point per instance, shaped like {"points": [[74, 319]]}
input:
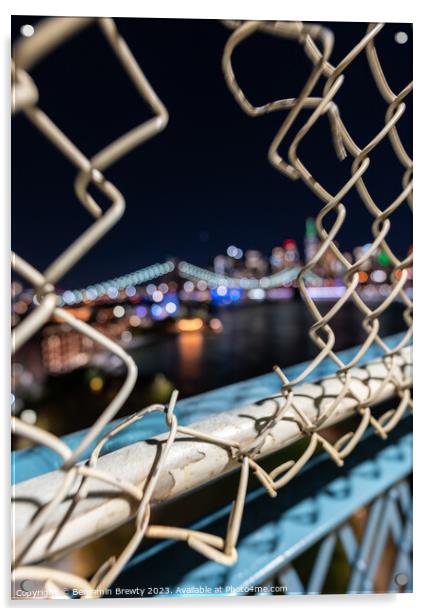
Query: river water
{"points": [[253, 339]]}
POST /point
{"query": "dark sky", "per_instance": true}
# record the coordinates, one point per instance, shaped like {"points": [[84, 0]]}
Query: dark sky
{"points": [[205, 182]]}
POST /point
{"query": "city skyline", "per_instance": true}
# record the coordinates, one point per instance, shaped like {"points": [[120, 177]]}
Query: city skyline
{"points": [[252, 263], [205, 182]]}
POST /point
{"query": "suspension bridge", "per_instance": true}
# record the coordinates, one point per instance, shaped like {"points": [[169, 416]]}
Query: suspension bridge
{"points": [[187, 271]]}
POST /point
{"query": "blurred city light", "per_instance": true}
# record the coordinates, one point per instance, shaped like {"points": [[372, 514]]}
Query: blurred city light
{"points": [[96, 384], [119, 312], [171, 308], [29, 416], [190, 325]]}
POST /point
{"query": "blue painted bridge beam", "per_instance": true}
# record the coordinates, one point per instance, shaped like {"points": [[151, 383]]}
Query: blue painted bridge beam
{"points": [[315, 508]]}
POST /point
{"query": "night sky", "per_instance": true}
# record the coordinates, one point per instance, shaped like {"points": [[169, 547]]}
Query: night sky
{"points": [[205, 182]]}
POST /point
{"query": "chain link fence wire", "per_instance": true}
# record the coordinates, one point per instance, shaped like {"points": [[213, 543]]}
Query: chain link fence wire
{"points": [[318, 99]]}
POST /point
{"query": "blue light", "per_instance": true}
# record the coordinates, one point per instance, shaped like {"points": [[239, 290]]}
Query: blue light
{"points": [[156, 311], [215, 297], [235, 294], [226, 296]]}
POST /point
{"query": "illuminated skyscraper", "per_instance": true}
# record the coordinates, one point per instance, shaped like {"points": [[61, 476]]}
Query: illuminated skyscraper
{"points": [[311, 240], [277, 259], [255, 263], [291, 253]]}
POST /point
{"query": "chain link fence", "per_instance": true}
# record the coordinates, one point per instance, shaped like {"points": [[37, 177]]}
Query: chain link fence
{"points": [[294, 412]]}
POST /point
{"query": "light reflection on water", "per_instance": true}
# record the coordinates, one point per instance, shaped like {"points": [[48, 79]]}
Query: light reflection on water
{"points": [[252, 340], [190, 348]]}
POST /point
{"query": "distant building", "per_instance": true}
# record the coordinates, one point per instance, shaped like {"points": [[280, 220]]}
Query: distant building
{"points": [[291, 253], [277, 259], [222, 264], [255, 263], [311, 240]]}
